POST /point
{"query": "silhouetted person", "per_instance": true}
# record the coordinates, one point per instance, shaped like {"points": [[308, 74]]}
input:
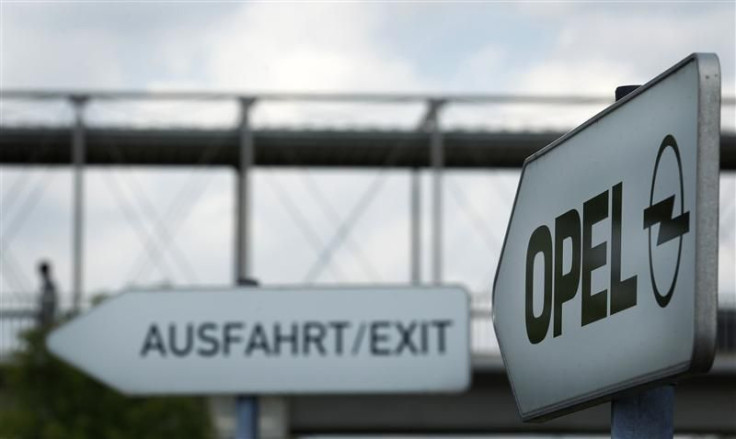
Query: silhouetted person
{"points": [[48, 300]]}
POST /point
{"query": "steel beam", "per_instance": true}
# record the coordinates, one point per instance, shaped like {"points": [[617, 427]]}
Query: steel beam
{"points": [[78, 159], [431, 123], [415, 225], [310, 148], [243, 244], [474, 98]]}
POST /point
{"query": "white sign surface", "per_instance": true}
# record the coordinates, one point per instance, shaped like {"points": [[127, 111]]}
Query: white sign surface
{"points": [[271, 340], [607, 279]]}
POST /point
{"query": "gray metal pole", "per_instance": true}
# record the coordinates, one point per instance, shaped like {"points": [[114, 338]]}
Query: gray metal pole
{"points": [[416, 226], [437, 152], [78, 159], [246, 417], [246, 406], [243, 199], [647, 414]]}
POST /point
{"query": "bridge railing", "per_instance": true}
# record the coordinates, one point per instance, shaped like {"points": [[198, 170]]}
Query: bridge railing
{"points": [[214, 110], [15, 318], [19, 313]]}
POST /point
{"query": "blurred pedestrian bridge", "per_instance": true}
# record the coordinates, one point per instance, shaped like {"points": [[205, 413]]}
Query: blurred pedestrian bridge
{"points": [[430, 151]]}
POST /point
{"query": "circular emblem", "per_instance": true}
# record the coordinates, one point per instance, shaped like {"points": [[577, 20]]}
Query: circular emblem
{"points": [[662, 213]]}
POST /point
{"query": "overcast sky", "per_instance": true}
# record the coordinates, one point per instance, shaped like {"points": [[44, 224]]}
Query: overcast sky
{"points": [[550, 48]]}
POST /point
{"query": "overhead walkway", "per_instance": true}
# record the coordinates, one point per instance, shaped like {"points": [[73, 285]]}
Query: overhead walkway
{"points": [[287, 147], [120, 128], [704, 404]]}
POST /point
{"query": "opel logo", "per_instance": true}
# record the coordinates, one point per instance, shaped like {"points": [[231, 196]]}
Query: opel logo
{"points": [[671, 226]]}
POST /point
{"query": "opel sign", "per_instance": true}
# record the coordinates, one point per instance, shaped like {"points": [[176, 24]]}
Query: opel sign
{"points": [[608, 275]]}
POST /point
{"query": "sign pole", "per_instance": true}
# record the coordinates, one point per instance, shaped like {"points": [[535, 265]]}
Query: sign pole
{"points": [[645, 414], [649, 413], [246, 417], [246, 406]]}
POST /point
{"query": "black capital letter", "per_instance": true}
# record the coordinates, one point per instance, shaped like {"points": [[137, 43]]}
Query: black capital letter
{"points": [[567, 226], [441, 326], [314, 335], [540, 242], [153, 341], [379, 337], [339, 328], [623, 293], [204, 333], [257, 340], [594, 306], [291, 338], [189, 341], [228, 337]]}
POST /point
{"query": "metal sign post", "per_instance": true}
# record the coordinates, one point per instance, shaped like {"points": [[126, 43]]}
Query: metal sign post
{"points": [[246, 407], [246, 417], [647, 414], [607, 280]]}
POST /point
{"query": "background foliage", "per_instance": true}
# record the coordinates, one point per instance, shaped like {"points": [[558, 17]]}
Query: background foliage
{"points": [[50, 400]]}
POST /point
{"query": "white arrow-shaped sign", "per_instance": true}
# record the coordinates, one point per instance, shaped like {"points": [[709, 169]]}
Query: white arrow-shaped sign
{"points": [[608, 274], [272, 340]]}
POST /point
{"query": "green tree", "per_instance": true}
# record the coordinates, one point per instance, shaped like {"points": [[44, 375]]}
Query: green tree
{"points": [[50, 400]]}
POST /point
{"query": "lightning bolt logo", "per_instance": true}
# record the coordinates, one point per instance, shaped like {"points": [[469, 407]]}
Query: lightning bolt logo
{"points": [[669, 227]]}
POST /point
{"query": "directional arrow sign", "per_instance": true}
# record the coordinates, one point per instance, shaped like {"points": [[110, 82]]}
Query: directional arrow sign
{"points": [[328, 340], [607, 279]]}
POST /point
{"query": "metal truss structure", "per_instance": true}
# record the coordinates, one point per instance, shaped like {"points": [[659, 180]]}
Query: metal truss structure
{"points": [[86, 129]]}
